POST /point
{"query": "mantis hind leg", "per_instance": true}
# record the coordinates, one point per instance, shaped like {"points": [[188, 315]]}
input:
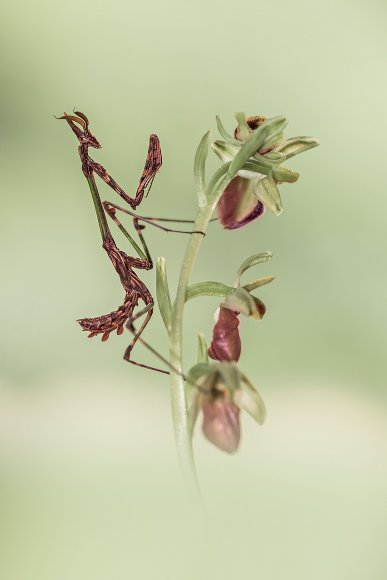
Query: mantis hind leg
{"points": [[137, 337], [148, 310]]}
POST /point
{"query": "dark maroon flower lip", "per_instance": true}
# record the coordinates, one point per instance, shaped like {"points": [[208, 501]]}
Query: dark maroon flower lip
{"points": [[252, 216], [221, 424], [226, 342], [238, 205]]}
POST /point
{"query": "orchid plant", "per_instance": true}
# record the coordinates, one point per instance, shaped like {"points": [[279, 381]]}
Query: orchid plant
{"points": [[245, 184]]}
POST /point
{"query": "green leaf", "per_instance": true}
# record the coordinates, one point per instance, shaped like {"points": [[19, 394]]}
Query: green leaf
{"points": [[250, 262], [248, 399], [207, 289], [256, 167], [256, 140], [297, 145], [200, 168], [259, 282], [267, 192], [226, 136], [216, 182], [243, 129], [162, 293], [271, 159], [225, 151], [202, 349], [282, 174]]}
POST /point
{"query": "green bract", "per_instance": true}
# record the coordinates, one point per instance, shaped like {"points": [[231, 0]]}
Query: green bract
{"points": [[267, 192], [202, 349], [200, 168], [162, 292], [297, 145], [250, 262]]}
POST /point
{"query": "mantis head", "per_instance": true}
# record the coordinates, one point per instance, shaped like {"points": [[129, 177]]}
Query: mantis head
{"points": [[83, 134]]}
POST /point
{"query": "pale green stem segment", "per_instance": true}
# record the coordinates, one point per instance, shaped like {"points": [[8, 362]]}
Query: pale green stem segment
{"points": [[178, 399]]}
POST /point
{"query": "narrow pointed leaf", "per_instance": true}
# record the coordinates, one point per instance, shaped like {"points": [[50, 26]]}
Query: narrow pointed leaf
{"points": [[259, 282], [200, 168], [267, 192], [202, 349], [207, 289], [218, 184], [226, 136], [256, 167], [250, 262], [297, 145], [272, 158], [162, 292], [256, 140], [225, 151]]}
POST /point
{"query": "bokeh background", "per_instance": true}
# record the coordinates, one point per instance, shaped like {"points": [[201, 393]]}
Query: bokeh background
{"points": [[89, 482]]}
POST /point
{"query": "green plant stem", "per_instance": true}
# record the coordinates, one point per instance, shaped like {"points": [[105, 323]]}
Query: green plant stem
{"points": [[183, 435]]}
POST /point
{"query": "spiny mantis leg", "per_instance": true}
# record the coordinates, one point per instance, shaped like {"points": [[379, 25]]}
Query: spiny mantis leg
{"points": [[137, 333], [148, 310], [178, 221], [150, 220], [111, 207], [152, 165]]}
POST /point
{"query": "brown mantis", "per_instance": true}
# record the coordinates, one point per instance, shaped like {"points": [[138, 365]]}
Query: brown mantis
{"points": [[124, 265]]}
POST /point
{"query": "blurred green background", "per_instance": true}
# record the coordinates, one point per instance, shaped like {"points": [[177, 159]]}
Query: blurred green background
{"points": [[89, 482]]}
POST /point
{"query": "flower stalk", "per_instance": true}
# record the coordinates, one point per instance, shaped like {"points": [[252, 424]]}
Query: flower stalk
{"points": [[183, 436]]}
